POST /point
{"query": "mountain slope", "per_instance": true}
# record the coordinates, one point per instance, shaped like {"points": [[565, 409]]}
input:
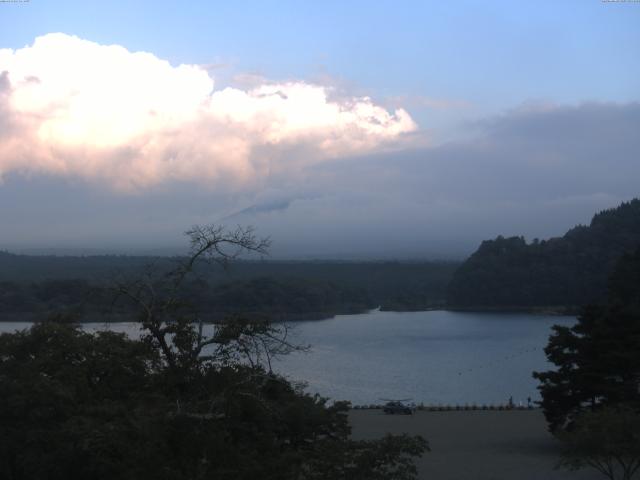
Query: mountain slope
{"points": [[567, 271]]}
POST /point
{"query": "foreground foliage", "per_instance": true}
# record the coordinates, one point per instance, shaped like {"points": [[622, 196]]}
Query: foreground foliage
{"points": [[75, 405], [175, 404]]}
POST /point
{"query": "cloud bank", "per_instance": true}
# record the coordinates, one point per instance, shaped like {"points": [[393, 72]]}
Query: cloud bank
{"points": [[532, 171], [75, 108]]}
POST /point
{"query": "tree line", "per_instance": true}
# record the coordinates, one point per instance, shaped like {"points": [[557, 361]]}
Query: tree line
{"points": [[276, 299], [277, 289]]}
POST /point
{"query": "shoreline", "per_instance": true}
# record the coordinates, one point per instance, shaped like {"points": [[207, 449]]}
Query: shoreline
{"points": [[32, 317], [555, 310], [457, 407]]}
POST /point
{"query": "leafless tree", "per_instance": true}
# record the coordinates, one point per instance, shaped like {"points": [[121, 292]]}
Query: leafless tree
{"points": [[174, 326]]}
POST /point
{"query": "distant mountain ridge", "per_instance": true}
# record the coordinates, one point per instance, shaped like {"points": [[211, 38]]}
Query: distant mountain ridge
{"points": [[566, 271]]}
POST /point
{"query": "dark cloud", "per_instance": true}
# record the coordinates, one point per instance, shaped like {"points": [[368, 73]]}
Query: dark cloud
{"points": [[266, 207], [535, 172], [5, 88], [4, 82]]}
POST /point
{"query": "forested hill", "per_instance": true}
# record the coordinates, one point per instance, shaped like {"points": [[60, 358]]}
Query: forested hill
{"points": [[560, 272], [36, 286]]}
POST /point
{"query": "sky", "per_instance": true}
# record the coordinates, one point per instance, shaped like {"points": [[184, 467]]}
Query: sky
{"points": [[339, 129]]}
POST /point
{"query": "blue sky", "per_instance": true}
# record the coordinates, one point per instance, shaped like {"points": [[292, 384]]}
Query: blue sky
{"points": [[492, 55], [439, 78]]}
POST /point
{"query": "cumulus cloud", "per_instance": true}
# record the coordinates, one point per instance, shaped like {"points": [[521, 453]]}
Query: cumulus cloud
{"points": [[73, 107]]}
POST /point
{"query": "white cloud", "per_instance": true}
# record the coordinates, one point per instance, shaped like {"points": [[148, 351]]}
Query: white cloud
{"points": [[76, 108]]}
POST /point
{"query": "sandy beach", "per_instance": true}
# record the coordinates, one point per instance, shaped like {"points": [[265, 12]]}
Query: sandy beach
{"points": [[475, 445]]}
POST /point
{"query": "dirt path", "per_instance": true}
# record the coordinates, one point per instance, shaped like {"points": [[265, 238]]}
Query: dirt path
{"points": [[475, 445]]}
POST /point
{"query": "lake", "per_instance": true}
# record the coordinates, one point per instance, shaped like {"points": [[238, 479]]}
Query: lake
{"points": [[432, 357]]}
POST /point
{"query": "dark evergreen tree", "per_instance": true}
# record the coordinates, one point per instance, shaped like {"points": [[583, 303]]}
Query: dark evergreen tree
{"points": [[598, 359]]}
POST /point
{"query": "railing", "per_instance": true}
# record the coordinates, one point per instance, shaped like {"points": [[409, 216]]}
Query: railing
{"points": [[453, 408]]}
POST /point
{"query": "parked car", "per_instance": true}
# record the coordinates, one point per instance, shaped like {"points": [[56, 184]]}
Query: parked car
{"points": [[397, 408]]}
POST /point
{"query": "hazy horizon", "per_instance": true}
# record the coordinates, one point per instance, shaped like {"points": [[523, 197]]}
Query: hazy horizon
{"points": [[276, 253]]}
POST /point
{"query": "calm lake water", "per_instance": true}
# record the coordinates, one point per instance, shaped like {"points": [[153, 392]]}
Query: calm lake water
{"points": [[432, 357]]}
